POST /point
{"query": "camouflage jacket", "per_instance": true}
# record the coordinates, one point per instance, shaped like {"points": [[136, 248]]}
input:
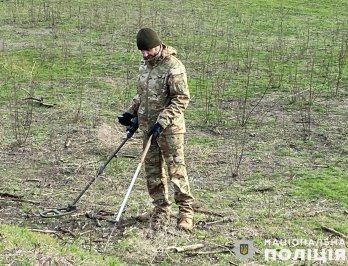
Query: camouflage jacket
{"points": [[162, 93]]}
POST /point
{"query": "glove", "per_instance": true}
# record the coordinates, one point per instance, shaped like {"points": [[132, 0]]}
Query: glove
{"points": [[125, 119], [155, 131], [133, 126]]}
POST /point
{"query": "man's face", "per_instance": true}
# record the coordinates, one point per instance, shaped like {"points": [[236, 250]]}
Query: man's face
{"points": [[150, 53]]}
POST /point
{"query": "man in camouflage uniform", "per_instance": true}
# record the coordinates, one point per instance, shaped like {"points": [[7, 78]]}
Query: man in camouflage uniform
{"points": [[160, 103]]}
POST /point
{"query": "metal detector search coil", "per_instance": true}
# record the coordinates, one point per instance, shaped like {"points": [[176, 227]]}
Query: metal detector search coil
{"points": [[58, 212]]}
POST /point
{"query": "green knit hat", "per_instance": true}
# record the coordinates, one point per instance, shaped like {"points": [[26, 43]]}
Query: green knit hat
{"points": [[147, 39]]}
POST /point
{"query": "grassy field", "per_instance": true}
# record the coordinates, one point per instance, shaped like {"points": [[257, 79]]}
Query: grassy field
{"points": [[267, 140]]}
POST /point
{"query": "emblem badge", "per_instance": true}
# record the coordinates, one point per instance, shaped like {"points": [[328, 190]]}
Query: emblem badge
{"points": [[244, 249]]}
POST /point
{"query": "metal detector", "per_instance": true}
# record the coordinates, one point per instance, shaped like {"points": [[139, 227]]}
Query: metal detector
{"points": [[124, 202], [135, 175], [58, 212]]}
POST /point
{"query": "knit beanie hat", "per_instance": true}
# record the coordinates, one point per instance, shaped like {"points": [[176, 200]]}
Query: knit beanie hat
{"points": [[147, 39]]}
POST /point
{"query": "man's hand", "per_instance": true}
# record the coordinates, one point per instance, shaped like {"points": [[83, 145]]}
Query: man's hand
{"points": [[155, 132], [125, 119], [133, 126]]}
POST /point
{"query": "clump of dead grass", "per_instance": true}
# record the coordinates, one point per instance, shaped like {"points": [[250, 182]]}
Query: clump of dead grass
{"points": [[147, 244], [109, 136]]}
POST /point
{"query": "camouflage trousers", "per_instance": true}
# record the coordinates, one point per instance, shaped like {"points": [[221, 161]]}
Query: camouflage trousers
{"points": [[165, 162]]}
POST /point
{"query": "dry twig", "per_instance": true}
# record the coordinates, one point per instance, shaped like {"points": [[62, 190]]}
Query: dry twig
{"points": [[331, 230], [97, 217], [56, 233], [315, 212], [199, 210], [185, 248], [17, 198], [206, 224], [263, 189], [40, 101], [66, 231], [209, 252]]}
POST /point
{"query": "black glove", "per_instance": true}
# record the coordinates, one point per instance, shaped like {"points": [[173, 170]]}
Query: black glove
{"points": [[155, 132], [125, 119], [133, 126]]}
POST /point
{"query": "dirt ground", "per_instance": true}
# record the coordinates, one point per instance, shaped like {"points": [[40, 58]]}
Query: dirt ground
{"points": [[51, 168]]}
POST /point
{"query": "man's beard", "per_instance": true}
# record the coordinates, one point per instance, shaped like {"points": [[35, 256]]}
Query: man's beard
{"points": [[149, 57]]}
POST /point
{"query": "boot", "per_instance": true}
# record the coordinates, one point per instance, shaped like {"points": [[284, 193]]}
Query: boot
{"points": [[185, 220], [159, 217], [185, 223]]}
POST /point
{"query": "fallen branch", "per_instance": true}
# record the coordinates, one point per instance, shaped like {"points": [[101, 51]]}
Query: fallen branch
{"points": [[66, 231], [313, 213], [208, 212], [11, 153], [217, 249], [206, 224], [40, 101], [331, 230], [86, 232], [45, 232], [102, 217], [34, 99], [33, 180], [185, 248], [263, 189], [207, 252], [97, 217], [128, 156], [55, 232], [105, 213], [8, 195], [27, 201], [17, 198]]}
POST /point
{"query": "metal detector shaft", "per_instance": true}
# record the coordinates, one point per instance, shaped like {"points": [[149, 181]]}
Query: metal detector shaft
{"points": [[135, 175], [58, 212], [130, 132], [100, 170]]}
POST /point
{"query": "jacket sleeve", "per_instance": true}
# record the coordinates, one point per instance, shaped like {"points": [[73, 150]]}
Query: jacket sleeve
{"points": [[179, 97], [133, 109]]}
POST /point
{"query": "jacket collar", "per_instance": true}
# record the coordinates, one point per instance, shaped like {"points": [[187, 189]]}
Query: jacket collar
{"points": [[164, 52]]}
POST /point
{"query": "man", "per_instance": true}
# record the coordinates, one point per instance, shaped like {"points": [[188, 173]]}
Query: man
{"points": [[162, 97]]}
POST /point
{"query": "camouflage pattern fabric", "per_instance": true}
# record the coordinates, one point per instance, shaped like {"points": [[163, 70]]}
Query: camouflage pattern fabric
{"points": [[163, 93], [162, 96], [168, 151]]}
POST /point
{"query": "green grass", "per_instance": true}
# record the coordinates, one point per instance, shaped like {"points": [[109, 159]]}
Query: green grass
{"points": [[83, 34], [81, 55], [328, 183], [31, 247]]}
